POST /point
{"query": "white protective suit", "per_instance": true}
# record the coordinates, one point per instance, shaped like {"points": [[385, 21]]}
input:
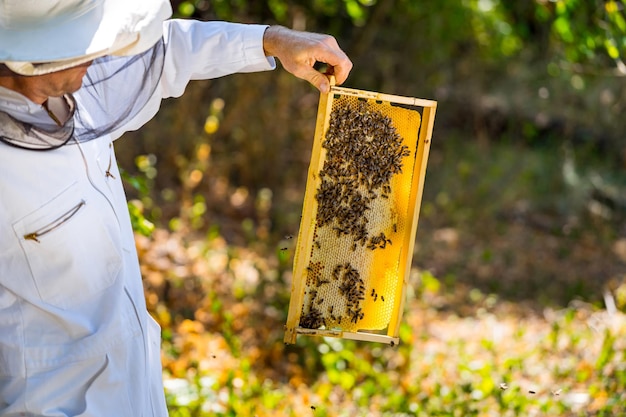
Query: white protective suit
{"points": [[75, 336]]}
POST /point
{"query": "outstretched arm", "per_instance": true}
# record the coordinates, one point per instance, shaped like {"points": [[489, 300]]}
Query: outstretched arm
{"points": [[299, 51]]}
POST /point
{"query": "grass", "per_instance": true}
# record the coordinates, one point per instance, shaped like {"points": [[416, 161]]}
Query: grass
{"points": [[493, 362], [516, 305]]}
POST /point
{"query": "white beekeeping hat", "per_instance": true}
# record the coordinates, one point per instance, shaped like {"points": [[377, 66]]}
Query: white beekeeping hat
{"points": [[43, 36]]}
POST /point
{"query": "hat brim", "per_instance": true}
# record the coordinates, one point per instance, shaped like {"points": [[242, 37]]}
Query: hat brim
{"points": [[111, 27]]}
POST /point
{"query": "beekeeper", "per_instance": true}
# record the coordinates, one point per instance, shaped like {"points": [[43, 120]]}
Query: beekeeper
{"points": [[75, 336]]}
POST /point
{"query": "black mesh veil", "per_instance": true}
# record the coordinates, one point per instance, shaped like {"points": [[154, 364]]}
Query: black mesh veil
{"points": [[115, 89]]}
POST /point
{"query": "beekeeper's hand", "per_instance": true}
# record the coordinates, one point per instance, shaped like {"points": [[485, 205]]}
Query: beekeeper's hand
{"points": [[299, 51]]}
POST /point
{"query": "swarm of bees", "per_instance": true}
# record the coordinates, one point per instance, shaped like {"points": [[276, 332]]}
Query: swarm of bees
{"points": [[363, 152]]}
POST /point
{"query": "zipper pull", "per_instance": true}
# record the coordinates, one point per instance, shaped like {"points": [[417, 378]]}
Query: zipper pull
{"points": [[108, 171], [32, 236]]}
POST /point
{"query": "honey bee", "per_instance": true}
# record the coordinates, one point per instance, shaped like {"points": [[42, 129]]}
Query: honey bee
{"points": [[312, 320]]}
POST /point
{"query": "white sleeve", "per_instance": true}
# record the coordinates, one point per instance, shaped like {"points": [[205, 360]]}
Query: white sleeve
{"points": [[196, 50], [201, 50]]}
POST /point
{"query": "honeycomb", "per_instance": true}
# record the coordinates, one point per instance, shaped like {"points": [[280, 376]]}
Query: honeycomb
{"points": [[358, 214]]}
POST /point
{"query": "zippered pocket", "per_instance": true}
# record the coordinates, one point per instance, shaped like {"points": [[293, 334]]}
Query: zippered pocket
{"points": [[72, 254], [56, 223]]}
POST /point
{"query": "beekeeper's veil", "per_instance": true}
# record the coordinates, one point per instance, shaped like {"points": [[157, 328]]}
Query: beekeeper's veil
{"points": [[121, 38]]}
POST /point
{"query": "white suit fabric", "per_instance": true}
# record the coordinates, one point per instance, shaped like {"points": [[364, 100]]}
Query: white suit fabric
{"points": [[75, 336]]}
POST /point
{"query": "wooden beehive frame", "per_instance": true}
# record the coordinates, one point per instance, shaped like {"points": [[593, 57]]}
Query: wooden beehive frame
{"points": [[305, 238]]}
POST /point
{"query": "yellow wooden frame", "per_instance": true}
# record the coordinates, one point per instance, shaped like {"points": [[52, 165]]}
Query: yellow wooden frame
{"points": [[305, 238]]}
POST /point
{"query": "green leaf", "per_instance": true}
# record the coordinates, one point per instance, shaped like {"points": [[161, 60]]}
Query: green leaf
{"points": [[611, 48], [186, 9], [562, 27]]}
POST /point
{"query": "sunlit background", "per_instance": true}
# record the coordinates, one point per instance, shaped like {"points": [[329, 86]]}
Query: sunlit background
{"points": [[518, 285]]}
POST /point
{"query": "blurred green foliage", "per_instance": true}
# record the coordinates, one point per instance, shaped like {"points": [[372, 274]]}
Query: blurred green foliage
{"points": [[523, 201], [484, 364], [531, 72]]}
